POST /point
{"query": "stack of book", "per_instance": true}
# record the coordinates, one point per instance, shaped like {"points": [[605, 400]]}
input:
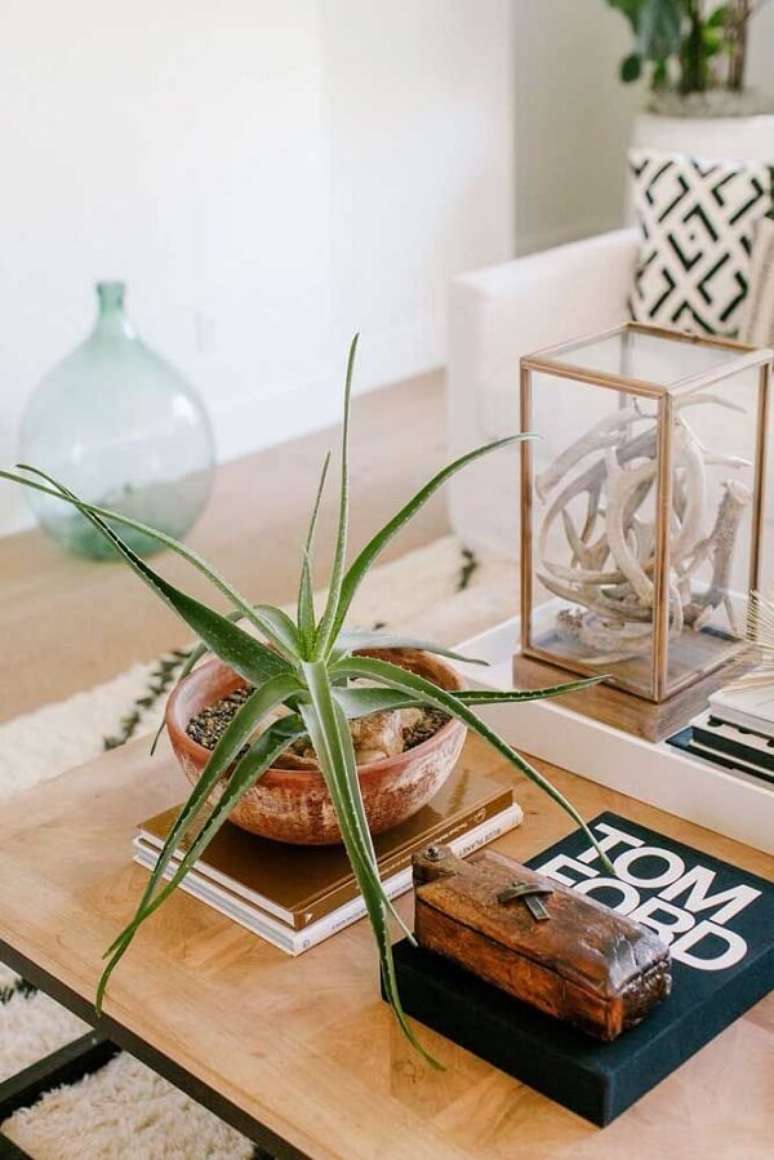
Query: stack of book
{"points": [[296, 896], [736, 732]]}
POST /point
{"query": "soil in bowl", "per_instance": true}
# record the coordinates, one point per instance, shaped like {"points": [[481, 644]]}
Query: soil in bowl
{"points": [[408, 728]]}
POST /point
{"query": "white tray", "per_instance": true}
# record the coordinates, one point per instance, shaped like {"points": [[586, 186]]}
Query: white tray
{"points": [[658, 773]]}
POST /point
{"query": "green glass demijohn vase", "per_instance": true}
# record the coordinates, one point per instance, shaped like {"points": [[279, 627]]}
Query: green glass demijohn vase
{"points": [[123, 429]]}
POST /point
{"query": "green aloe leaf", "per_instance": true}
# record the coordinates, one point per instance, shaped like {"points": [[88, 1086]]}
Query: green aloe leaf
{"points": [[332, 743], [199, 650], [247, 656], [193, 558], [322, 696], [358, 702], [403, 681], [306, 623], [364, 560], [326, 630], [238, 731], [261, 753], [278, 626], [244, 653], [196, 653], [352, 639], [510, 696], [339, 750]]}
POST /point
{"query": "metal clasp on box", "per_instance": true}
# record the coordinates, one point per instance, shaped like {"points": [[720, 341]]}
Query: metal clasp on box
{"points": [[530, 894]]}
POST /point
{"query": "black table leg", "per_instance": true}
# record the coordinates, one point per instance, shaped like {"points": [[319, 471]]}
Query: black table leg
{"points": [[269, 1145], [66, 1065]]}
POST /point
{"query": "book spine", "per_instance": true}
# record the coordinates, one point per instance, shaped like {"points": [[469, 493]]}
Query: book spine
{"points": [[714, 739], [296, 942], [398, 861]]}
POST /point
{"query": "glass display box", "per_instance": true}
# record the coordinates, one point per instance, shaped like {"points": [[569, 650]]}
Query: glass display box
{"points": [[642, 505]]}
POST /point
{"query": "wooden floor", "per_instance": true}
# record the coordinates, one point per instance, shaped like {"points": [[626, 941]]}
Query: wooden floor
{"points": [[67, 623]]}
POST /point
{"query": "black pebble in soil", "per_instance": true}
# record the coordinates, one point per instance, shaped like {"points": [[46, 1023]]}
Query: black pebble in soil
{"points": [[208, 726], [430, 722]]}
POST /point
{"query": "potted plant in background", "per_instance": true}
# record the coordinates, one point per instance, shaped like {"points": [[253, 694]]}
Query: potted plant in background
{"points": [[692, 54], [303, 680]]}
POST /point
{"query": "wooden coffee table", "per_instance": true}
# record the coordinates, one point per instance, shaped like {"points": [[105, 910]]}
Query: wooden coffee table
{"points": [[301, 1054]]}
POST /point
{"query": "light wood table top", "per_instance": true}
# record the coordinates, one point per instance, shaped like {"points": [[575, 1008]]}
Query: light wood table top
{"points": [[305, 1046]]}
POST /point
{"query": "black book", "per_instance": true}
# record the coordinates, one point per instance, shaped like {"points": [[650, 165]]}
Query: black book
{"points": [[718, 920], [755, 750]]}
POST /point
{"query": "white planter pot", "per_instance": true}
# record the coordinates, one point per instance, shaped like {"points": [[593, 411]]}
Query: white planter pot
{"points": [[713, 138]]}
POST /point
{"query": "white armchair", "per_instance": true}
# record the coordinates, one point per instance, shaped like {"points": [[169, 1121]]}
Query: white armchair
{"points": [[497, 315]]}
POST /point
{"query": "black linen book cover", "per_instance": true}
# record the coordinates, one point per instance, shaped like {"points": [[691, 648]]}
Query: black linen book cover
{"points": [[718, 920]]}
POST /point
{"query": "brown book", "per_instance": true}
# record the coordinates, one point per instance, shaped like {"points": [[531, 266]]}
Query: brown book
{"points": [[301, 884]]}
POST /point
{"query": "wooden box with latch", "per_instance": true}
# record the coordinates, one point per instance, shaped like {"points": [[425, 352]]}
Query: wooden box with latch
{"points": [[567, 955]]}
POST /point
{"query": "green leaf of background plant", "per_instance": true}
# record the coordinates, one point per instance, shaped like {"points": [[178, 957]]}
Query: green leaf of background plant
{"points": [[718, 18], [659, 29], [713, 41], [631, 68], [630, 9]]}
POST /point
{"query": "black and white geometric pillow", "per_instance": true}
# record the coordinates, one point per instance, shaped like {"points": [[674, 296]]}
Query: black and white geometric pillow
{"points": [[697, 221]]}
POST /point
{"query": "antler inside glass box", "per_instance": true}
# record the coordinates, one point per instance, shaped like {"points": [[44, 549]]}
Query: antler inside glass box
{"points": [[642, 508]]}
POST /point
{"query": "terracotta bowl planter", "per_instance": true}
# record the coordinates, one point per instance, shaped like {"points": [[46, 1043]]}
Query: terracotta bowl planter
{"points": [[293, 805]]}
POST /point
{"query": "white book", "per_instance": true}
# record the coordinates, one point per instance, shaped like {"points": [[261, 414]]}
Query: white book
{"points": [[751, 708], [295, 942]]}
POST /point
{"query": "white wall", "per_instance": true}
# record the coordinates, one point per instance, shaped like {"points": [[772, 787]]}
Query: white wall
{"points": [[267, 175], [760, 54], [573, 118]]}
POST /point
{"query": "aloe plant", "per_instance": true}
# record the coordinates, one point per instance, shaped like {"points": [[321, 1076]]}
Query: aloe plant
{"points": [[307, 665]]}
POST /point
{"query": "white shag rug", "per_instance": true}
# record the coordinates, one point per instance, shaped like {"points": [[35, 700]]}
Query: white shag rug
{"points": [[125, 1110]]}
